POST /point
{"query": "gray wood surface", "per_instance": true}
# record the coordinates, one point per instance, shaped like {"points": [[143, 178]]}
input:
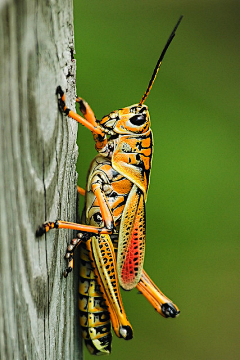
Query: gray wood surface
{"points": [[38, 153]]}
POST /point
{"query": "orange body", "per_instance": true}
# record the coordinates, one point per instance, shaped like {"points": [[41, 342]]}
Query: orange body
{"points": [[121, 171]]}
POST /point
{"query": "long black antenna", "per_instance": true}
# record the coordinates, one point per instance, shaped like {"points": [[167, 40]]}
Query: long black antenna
{"points": [[154, 75]]}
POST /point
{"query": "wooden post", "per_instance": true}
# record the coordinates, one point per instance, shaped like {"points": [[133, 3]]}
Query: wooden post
{"points": [[38, 153]]}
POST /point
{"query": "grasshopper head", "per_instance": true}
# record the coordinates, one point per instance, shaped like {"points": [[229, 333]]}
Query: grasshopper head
{"points": [[132, 119]]}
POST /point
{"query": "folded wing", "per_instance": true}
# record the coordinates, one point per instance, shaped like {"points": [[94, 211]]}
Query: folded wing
{"points": [[131, 246]]}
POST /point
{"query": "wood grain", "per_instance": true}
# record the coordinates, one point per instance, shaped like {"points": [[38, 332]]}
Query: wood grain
{"points": [[38, 153]]}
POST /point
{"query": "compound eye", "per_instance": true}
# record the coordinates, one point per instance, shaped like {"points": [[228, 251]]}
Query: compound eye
{"points": [[138, 120]]}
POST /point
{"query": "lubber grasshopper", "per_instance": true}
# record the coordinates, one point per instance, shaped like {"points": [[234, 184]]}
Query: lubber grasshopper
{"points": [[112, 233]]}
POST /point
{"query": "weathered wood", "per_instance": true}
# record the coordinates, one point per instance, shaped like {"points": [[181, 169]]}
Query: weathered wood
{"points": [[38, 153]]}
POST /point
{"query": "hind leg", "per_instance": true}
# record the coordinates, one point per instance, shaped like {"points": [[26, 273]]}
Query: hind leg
{"points": [[157, 299]]}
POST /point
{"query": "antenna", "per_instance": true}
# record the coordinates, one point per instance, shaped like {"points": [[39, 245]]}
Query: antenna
{"points": [[154, 75]]}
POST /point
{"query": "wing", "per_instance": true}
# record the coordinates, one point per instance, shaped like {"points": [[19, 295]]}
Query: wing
{"points": [[131, 245]]}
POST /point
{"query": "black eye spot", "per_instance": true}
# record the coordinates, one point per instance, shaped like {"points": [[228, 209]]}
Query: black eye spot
{"points": [[97, 217], [138, 120]]}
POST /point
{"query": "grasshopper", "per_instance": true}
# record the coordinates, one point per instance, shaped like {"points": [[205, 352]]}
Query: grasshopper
{"points": [[112, 234]]}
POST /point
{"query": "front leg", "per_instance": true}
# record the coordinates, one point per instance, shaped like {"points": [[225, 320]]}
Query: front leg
{"points": [[63, 108], [101, 141], [90, 120]]}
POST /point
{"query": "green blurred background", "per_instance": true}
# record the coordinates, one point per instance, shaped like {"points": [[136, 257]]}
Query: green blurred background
{"points": [[192, 249]]}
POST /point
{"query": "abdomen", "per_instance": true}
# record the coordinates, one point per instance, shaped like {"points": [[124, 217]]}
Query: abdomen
{"points": [[94, 316]]}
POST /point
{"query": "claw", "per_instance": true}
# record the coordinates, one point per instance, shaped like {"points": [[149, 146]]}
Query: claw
{"points": [[40, 231], [169, 310], [61, 99], [59, 91], [67, 271]]}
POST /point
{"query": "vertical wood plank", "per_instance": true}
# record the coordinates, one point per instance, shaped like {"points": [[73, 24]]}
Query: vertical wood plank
{"points": [[38, 153]]}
